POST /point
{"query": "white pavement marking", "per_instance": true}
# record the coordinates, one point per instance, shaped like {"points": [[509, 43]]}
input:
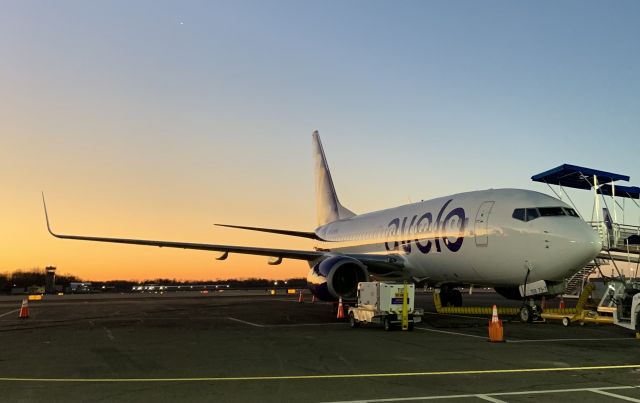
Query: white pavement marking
{"points": [[602, 392], [556, 340], [455, 333], [10, 312], [490, 399], [479, 317], [488, 396], [525, 340], [286, 325], [309, 324], [109, 334], [245, 322]]}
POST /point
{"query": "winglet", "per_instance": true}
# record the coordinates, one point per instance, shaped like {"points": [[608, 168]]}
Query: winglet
{"points": [[46, 215]]}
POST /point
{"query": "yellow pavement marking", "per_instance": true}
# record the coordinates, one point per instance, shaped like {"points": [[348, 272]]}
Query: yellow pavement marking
{"points": [[328, 376]]}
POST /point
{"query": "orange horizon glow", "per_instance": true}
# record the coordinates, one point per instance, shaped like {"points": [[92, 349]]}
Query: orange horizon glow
{"points": [[30, 246], [137, 126]]}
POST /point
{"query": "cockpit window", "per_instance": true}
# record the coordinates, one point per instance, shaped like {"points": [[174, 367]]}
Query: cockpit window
{"points": [[571, 212], [551, 211], [518, 214], [528, 214], [532, 214]]}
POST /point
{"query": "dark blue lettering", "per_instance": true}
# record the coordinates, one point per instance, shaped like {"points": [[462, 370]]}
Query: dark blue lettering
{"points": [[454, 246], [406, 245], [426, 247], [439, 226], [391, 232], [424, 228]]}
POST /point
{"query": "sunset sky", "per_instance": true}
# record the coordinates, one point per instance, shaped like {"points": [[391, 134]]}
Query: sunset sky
{"points": [[156, 119]]}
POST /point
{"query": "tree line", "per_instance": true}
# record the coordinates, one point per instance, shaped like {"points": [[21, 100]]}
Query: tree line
{"points": [[36, 277]]}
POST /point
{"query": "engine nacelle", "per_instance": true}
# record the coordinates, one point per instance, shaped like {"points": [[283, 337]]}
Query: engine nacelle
{"points": [[512, 293], [335, 277]]}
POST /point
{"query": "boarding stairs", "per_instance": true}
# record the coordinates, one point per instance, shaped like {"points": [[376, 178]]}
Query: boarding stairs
{"points": [[615, 237], [575, 284]]}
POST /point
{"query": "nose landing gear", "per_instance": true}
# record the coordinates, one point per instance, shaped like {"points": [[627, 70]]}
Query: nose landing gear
{"points": [[530, 311]]}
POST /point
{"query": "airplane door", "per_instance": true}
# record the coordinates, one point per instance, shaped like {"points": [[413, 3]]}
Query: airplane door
{"points": [[481, 226]]}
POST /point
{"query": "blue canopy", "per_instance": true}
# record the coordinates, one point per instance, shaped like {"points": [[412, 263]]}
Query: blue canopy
{"points": [[631, 192], [577, 177]]}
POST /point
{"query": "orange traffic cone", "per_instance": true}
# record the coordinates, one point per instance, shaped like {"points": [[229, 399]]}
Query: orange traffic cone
{"points": [[24, 309], [496, 332], [300, 297], [340, 309], [561, 303]]}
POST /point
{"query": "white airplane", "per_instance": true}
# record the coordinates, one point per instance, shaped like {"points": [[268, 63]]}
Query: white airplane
{"points": [[519, 242]]}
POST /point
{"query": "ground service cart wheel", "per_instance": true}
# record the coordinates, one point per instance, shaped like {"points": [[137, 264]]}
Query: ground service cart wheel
{"points": [[387, 324], [526, 314], [566, 322]]}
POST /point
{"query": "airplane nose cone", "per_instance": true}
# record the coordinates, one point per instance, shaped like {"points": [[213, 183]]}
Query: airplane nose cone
{"points": [[587, 244], [571, 246], [593, 244]]}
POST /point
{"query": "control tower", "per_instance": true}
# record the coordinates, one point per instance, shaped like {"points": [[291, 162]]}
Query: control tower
{"points": [[50, 280]]}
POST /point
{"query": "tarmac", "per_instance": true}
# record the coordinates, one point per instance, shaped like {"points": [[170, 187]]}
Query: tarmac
{"points": [[239, 346]]}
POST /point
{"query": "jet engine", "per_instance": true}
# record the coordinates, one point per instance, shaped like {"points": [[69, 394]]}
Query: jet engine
{"points": [[335, 277], [512, 293]]}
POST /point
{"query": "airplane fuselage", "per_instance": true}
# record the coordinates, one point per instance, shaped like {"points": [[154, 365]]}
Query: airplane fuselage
{"points": [[473, 238]]}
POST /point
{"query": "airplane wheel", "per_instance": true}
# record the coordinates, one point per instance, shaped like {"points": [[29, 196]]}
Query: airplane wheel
{"points": [[526, 314], [444, 298], [566, 322], [353, 321], [387, 324]]}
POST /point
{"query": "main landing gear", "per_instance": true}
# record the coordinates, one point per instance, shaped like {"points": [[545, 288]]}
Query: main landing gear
{"points": [[450, 296]]}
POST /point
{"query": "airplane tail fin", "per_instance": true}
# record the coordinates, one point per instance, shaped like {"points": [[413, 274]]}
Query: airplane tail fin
{"points": [[328, 206]]}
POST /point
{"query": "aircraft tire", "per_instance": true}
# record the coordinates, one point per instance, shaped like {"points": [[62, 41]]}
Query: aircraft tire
{"points": [[444, 298], [526, 314], [455, 297]]}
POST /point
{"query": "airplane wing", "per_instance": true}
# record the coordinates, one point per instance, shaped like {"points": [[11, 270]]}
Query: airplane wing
{"points": [[300, 234], [277, 253], [376, 263]]}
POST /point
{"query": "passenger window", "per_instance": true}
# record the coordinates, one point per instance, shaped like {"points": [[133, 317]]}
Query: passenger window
{"points": [[532, 214], [518, 214]]}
